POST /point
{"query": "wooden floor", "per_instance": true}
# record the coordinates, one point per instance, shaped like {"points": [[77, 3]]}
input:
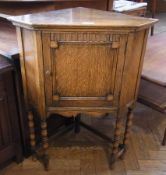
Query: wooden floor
{"points": [[86, 154]]}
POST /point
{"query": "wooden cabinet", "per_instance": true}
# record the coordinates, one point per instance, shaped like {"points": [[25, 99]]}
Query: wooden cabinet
{"points": [[10, 143], [81, 61]]}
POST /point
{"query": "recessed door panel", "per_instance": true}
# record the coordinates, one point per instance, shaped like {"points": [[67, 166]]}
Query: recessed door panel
{"points": [[83, 70]]}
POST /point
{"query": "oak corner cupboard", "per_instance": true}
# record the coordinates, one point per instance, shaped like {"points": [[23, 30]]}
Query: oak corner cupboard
{"points": [[81, 61]]}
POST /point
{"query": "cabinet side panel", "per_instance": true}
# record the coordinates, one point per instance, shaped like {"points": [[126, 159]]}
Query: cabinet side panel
{"points": [[85, 69], [22, 61], [141, 62], [40, 72], [133, 66], [47, 67], [29, 66]]}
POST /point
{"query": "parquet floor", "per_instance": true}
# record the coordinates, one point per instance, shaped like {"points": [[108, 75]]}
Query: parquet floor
{"points": [[85, 154]]}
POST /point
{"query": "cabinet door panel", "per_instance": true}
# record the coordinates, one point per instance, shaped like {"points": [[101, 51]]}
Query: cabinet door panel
{"points": [[77, 69], [80, 67]]}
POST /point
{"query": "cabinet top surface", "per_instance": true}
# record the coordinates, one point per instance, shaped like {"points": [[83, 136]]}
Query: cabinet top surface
{"points": [[80, 17]]}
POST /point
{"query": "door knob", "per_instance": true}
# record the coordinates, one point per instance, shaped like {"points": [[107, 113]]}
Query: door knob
{"points": [[48, 73], [56, 97]]}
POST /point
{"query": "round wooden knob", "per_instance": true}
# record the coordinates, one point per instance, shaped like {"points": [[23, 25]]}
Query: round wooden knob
{"points": [[56, 97], [109, 97], [48, 73]]}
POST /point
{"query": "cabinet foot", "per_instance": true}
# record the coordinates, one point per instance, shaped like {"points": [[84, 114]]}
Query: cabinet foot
{"points": [[19, 157], [44, 159], [122, 151], [112, 161], [119, 154], [119, 150]]}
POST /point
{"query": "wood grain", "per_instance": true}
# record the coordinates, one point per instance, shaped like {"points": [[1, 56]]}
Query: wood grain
{"points": [[84, 17]]}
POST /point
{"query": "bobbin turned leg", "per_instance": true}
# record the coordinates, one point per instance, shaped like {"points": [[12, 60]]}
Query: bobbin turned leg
{"points": [[127, 130], [45, 158], [31, 132], [115, 147]]}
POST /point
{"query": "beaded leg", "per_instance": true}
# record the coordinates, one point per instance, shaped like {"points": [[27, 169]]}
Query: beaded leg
{"points": [[32, 132], [127, 130], [115, 147], [45, 158], [164, 139]]}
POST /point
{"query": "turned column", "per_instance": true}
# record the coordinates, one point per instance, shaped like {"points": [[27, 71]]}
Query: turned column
{"points": [[31, 131], [128, 126], [127, 131], [117, 134], [45, 145]]}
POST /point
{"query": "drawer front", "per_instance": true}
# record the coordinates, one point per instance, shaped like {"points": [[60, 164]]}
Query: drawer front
{"points": [[81, 68]]}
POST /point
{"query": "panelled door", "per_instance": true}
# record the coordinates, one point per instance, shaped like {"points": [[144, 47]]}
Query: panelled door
{"points": [[83, 68]]}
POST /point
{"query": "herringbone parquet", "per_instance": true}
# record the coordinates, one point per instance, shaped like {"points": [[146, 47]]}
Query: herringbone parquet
{"points": [[86, 154]]}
